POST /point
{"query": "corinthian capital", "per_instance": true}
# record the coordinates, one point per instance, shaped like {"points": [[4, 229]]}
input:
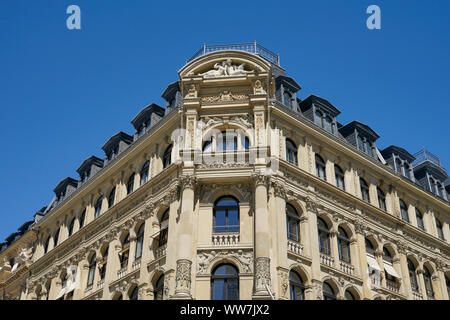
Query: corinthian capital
{"points": [[260, 179], [188, 182]]}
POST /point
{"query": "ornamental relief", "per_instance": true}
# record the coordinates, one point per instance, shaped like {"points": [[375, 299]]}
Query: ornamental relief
{"points": [[209, 192], [206, 258], [226, 68], [225, 96], [246, 121]]}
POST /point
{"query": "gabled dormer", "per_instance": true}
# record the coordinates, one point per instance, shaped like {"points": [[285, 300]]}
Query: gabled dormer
{"points": [[173, 97], [88, 168], [399, 160], [286, 90], [146, 118], [321, 112], [429, 172], [65, 188], [116, 145], [361, 136]]}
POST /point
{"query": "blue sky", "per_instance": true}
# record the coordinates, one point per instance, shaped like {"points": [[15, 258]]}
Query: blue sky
{"points": [[64, 93]]}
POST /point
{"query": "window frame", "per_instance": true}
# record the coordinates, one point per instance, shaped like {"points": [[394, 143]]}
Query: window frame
{"points": [[227, 209]]}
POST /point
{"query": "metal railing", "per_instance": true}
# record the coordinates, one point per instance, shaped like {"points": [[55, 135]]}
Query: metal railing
{"points": [[253, 48], [424, 155]]}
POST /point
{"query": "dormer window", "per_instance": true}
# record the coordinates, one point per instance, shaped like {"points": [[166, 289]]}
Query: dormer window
{"points": [[287, 99], [328, 124]]}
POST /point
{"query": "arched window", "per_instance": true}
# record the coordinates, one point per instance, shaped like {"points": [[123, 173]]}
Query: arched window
{"points": [[159, 289], [428, 282], [287, 99], [103, 263], [139, 242], [327, 124], [404, 211], [167, 157], [226, 141], [225, 283], [324, 236], [339, 174], [439, 229], [130, 184], [412, 276], [47, 242], [134, 295], [419, 219], [381, 199], [207, 146], [369, 247], [328, 292], [144, 173], [226, 215], [111, 197], [348, 295], [447, 283], [56, 238], [82, 217], [71, 224], [343, 245], [364, 190], [291, 152], [318, 118], [293, 223], [98, 207], [125, 253], [296, 286], [320, 167], [164, 228], [91, 273]]}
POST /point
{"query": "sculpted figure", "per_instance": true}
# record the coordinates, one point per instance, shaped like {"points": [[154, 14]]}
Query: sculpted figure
{"points": [[219, 70]]}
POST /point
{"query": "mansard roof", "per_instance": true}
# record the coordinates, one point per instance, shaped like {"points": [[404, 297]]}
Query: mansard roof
{"points": [[64, 183], [146, 113], [397, 151], [115, 139], [364, 128], [325, 104], [88, 163], [170, 90], [289, 82], [432, 168]]}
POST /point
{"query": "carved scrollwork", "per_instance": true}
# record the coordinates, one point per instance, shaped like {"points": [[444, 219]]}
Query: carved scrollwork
{"points": [[183, 277], [204, 259], [262, 274]]}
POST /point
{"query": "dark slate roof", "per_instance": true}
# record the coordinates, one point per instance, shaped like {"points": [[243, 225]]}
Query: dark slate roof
{"points": [[386, 153], [308, 102], [12, 237], [26, 226], [289, 82], [64, 183], [430, 167], [349, 128], [171, 90], [145, 114], [447, 185], [115, 139], [88, 163]]}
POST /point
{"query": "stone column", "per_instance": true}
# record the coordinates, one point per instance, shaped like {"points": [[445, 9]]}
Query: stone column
{"points": [[406, 282], [364, 270], [313, 242], [421, 282], [185, 239], [262, 241], [443, 285]]}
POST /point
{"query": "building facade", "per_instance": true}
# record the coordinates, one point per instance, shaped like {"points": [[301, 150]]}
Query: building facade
{"points": [[239, 189]]}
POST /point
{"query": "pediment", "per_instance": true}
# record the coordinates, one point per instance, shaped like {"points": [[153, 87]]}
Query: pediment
{"points": [[225, 64]]}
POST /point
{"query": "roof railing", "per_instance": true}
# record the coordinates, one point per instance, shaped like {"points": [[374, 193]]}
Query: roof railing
{"points": [[424, 155], [253, 48]]}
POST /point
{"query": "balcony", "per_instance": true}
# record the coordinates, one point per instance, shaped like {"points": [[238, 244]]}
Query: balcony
{"points": [[161, 251], [417, 296], [88, 291], [294, 247], [100, 284], [347, 268], [392, 286], [253, 48], [424, 155], [326, 260], [122, 272], [136, 264], [225, 239]]}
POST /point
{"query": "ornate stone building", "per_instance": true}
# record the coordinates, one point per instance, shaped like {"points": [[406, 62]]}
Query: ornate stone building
{"points": [[239, 189]]}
